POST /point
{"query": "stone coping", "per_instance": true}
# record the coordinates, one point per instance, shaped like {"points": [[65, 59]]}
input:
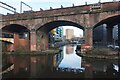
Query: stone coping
{"points": [[112, 56], [45, 52]]}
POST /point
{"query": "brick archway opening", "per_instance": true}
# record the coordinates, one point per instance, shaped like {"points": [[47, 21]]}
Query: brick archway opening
{"points": [[18, 34], [46, 28], [107, 30]]}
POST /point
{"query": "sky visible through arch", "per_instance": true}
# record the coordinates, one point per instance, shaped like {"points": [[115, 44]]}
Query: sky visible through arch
{"points": [[46, 4]]}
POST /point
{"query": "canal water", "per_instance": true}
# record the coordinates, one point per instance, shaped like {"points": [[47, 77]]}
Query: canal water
{"points": [[66, 64]]}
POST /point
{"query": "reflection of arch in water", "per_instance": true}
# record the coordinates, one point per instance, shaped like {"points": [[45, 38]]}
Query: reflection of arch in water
{"points": [[7, 45], [7, 40], [111, 72]]}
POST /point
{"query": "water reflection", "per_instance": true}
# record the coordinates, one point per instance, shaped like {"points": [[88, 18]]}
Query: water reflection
{"points": [[70, 60], [60, 65], [101, 67], [69, 49], [30, 66]]}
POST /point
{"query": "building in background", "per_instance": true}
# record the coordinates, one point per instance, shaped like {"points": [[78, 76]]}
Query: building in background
{"points": [[56, 35], [69, 34], [54, 31], [59, 33], [100, 35], [115, 34]]}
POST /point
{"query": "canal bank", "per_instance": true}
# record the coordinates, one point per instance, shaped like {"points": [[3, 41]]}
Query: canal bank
{"points": [[115, 57], [51, 51], [100, 54]]}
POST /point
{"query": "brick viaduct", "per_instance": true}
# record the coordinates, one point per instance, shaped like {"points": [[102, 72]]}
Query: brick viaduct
{"points": [[39, 23]]}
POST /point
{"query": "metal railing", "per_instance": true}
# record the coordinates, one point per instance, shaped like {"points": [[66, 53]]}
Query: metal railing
{"points": [[14, 9], [24, 4]]}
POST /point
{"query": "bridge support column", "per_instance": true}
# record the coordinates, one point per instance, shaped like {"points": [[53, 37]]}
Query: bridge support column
{"points": [[16, 41], [42, 41], [46, 41], [33, 40], [109, 35], [88, 37]]}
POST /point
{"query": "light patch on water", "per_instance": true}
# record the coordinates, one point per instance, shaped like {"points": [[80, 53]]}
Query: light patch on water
{"points": [[70, 60], [115, 67]]}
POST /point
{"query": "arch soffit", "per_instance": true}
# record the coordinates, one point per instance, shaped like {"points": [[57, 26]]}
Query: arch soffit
{"points": [[37, 26], [104, 20]]}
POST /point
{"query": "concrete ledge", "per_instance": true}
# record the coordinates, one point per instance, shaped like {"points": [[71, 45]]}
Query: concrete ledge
{"points": [[35, 53], [100, 53], [100, 56]]}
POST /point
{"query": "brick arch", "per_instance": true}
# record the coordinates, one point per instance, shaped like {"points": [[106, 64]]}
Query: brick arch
{"points": [[108, 19], [42, 31], [17, 27], [57, 23], [19, 23], [19, 41]]}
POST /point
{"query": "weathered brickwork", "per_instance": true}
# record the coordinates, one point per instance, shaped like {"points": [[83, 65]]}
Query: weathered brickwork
{"points": [[87, 16]]}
